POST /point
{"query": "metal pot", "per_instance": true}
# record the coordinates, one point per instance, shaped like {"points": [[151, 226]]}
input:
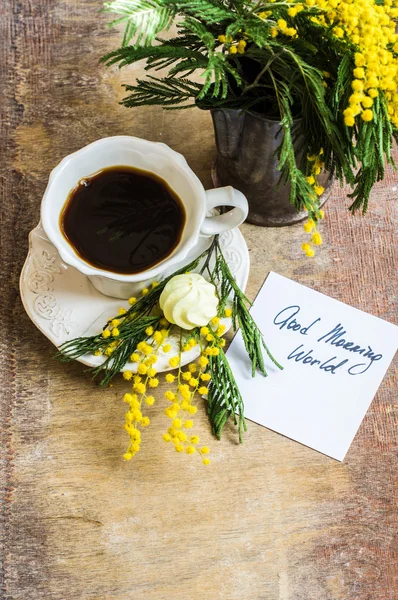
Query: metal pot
{"points": [[246, 144]]}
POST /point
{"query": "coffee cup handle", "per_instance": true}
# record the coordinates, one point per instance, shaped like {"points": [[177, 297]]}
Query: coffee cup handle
{"points": [[224, 196]]}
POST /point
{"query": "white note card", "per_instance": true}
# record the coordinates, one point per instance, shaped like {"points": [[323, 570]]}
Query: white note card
{"points": [[334, 358]]}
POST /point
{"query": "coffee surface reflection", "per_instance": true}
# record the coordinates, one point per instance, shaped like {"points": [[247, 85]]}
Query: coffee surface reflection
{"points": [[123, 219]]}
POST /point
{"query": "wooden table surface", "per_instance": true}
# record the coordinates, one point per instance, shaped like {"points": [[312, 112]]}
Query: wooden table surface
{"points": [[270, 519]]}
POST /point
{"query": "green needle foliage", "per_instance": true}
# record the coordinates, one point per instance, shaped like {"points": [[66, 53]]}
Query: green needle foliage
{"points": [[296, 67], [229, 291], [224, 400]]}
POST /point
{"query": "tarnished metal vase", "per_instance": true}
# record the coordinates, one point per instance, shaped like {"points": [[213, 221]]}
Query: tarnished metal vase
{"points": [[246, 143]]}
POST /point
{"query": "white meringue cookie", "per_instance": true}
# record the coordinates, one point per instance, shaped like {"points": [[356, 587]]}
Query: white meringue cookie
{"points": [[189, 301]]}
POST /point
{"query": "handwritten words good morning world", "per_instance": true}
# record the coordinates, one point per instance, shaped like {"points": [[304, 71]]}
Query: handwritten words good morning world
{"points": [[352, 357]]}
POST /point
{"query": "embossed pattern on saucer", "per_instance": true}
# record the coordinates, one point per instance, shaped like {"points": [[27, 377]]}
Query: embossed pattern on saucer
{"points": [[63, 304]]}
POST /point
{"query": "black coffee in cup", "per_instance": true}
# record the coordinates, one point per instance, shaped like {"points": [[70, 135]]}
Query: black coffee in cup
{"points": [[123, 220]]}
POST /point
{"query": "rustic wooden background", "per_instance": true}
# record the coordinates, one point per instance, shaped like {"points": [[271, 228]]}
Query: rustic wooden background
{"points": [[269, 520]]}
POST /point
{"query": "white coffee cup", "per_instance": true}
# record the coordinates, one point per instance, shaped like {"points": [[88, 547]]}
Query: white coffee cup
{"points": [[149, 156]]}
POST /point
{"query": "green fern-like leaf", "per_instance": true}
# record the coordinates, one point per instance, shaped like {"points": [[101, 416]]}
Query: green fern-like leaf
{"points": [[143, 19], [170, 92], [211, 11]]}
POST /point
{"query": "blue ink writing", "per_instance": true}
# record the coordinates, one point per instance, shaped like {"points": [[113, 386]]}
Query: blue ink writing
{"points": [[335, 338], [308, 359], [286, 319]]}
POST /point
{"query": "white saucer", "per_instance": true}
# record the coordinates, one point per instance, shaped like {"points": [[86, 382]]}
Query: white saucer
{"points": [[63, 303]]}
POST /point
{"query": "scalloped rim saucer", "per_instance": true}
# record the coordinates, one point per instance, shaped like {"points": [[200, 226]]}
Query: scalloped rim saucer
{"points": [[63, 304]]}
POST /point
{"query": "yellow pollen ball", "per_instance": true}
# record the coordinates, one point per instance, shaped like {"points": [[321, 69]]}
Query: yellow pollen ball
{"points": [[241, 46], [140, 388], [157, 336], [348, 112], [173, 362], [357, 85], [338, 32], [367, 115], [317, 239], [359, 73], [360, 60], [367, 102], [349, 121], [203, 361], [355, 99], [319, 190]]}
